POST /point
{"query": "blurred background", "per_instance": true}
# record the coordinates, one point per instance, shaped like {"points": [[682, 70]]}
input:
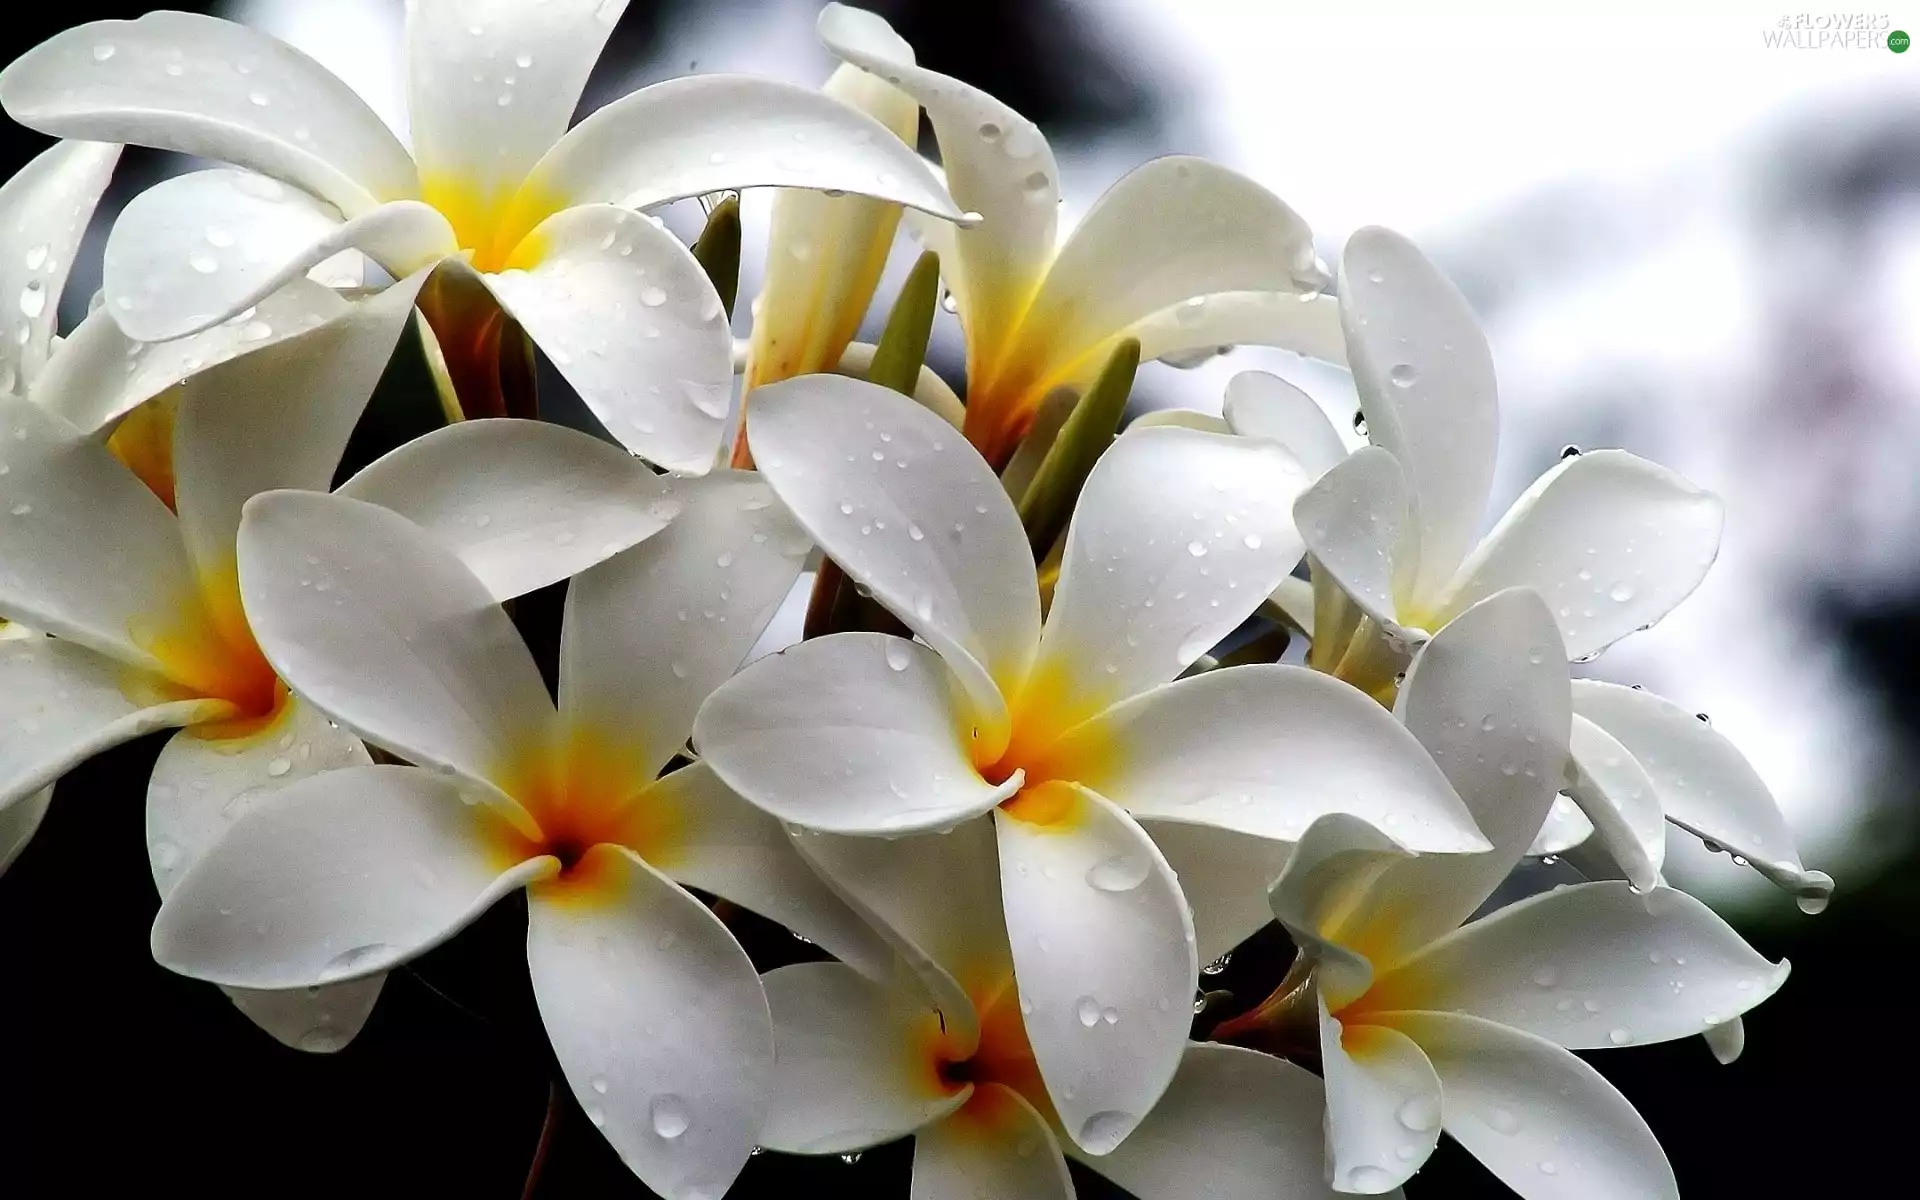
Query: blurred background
{"points": [[1683, 237]]}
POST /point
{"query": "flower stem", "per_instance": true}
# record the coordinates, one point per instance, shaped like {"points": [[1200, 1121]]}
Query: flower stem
{"points": [[555, 1104]]}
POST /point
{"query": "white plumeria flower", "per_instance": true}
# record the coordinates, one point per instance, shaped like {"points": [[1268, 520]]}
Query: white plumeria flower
{"points": [[656, 1015], [43, 215], [1065, 735], [1180, 253], [1426, 1025], [860, 1061], [1641, 762], [1611, 541], [497, 190]]}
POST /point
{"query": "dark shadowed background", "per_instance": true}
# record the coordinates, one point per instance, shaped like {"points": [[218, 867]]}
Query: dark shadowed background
{"points": [[1682, 240]]}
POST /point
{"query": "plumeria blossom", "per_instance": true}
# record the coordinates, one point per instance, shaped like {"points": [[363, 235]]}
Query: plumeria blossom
{"points": [[859, 1061], [1611, 541], [43, 215], [497, 191], [1067, 735], [1426, 1025], [655, 1013], [1180, 253]]}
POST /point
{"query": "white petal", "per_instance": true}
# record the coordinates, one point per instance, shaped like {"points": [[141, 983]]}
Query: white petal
{"points": [[1383, 1105], [997, 1146], [916, 515], [851, 1065], [650, 633], [997, 163], [492, 85], [1620, 803], [1103, 953], [19, 822], [1536, 1116], [1566, 828], [44, 210], [1611, 541], [1303, 322], [198, 249], [205, 780], [1232, 1125], [657, 1019], [1261, 405], [1358, 525], [61, 704], [1185, 418], [929, 391], [1588, 966], [1488, 699], [278, 418], [722, 844], [523, 504], [1212, 231], [710, 133], [1727, 1040], [1324, 895], [631, 320], [1266, 749], [1426, 386], [1705, 784], [935, 897], [1178, 536], [101, 375], [363, 613], [1293, 597], [203, 86], [1224, 876], [87, 553], [850, 733], [337, 877]]}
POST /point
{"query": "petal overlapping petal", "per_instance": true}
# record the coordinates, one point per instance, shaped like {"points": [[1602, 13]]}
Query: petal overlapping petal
{"points": [[998, 1145], [1357, 522], [44, 209], [1258, 404], [1383, 1105]]}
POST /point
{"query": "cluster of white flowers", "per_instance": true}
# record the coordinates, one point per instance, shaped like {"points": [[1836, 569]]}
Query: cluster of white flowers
{"points": [[1034, 762]]}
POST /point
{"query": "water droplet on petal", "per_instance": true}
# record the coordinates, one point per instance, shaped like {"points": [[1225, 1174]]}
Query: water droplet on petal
{"points": [[1104, 1130], [1120, 873], [669, 1116], [1088, 1010]]}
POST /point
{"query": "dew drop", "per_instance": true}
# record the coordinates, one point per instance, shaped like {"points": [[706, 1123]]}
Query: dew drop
{"points": [[279, 767], [33, 299], [1088, 1010], [652, 297], [1120, 873], [1197, 549], [1546, 977], [897, 655], [351, 962], [1421, 1113], [669, 1116], [1621, 593], [103, 52], [1104, 1131], [1403, 375], [1503, 1121], [1619, 1036], [206, 264]]}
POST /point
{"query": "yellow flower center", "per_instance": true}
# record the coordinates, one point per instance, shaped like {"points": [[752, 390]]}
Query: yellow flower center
{"points": [[594, 792], [1003, 1056]]}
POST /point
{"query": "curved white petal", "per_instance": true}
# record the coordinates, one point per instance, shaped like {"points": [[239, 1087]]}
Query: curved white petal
{"points": [[630, 319], [523, 504], [68, 509], [850, 733], [1258, 404], [1323, 898], [852, 1067], [657, 1019], [19, 822], [1705, 785], [1224, 875], [197, 249], [1610, 540], [1293, 598], [1383, 1105], [1103, 953], [650, 633], [1305, 323], [322, 1020], [930, 391], [1357, 522], [996, 162], [710, 133], [336, 877], [277, 418], [61, 704], [1536, 1116], [101, 375], [997, 1145], [1488, 699], [825, 253], [1565, 828], [1589, 966], [1620, 803], [1426, 385], [44, 211], [908, 508], [364, 614], [936, 899], [1212, 230], [722, 844], [216, 89], [491, 86], [1265, 750], [1177, 537], [1727, 1041], [1185, 418], [1231, 1126]]}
